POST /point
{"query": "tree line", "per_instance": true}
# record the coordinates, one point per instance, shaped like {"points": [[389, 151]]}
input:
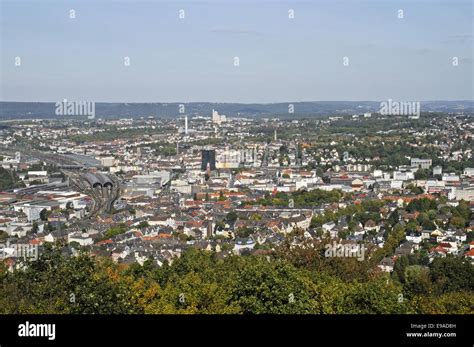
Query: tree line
{"points": [[288, 280]]}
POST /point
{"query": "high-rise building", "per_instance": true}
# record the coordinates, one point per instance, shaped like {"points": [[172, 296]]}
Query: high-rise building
{"points": [[208, 159], [186, 125], [215, 116], [218, 118]]}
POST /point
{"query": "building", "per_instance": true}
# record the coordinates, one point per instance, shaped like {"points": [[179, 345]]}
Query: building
{"points": [[208, 158], [234, 158], [217, 118], [450, 177], [469, 171], [82, 239], [32, 209], [358, 167], [421, 163], [465, 193], [403, 176], [157, 177], [107, 161]]}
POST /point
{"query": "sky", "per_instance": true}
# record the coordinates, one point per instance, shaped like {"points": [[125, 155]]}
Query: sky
{"points": [[193, 59]]}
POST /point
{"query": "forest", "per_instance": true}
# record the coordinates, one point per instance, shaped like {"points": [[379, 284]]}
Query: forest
{"points": [[288, 280]]}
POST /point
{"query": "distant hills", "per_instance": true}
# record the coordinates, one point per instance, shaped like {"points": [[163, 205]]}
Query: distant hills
{"points": [[46, 110]]}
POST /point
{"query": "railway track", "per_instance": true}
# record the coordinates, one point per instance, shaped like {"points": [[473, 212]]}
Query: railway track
{"points": [[103, 198]]}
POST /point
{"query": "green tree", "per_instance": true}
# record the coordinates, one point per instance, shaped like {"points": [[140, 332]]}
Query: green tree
{"points": [[231, 217], [452, 274], [260, 286], [44, 214]]}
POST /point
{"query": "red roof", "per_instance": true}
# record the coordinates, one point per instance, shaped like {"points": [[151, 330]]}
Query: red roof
{"points": [[104, 242], [439, 249], [445, 245], [9, 261], [470, 253]]}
